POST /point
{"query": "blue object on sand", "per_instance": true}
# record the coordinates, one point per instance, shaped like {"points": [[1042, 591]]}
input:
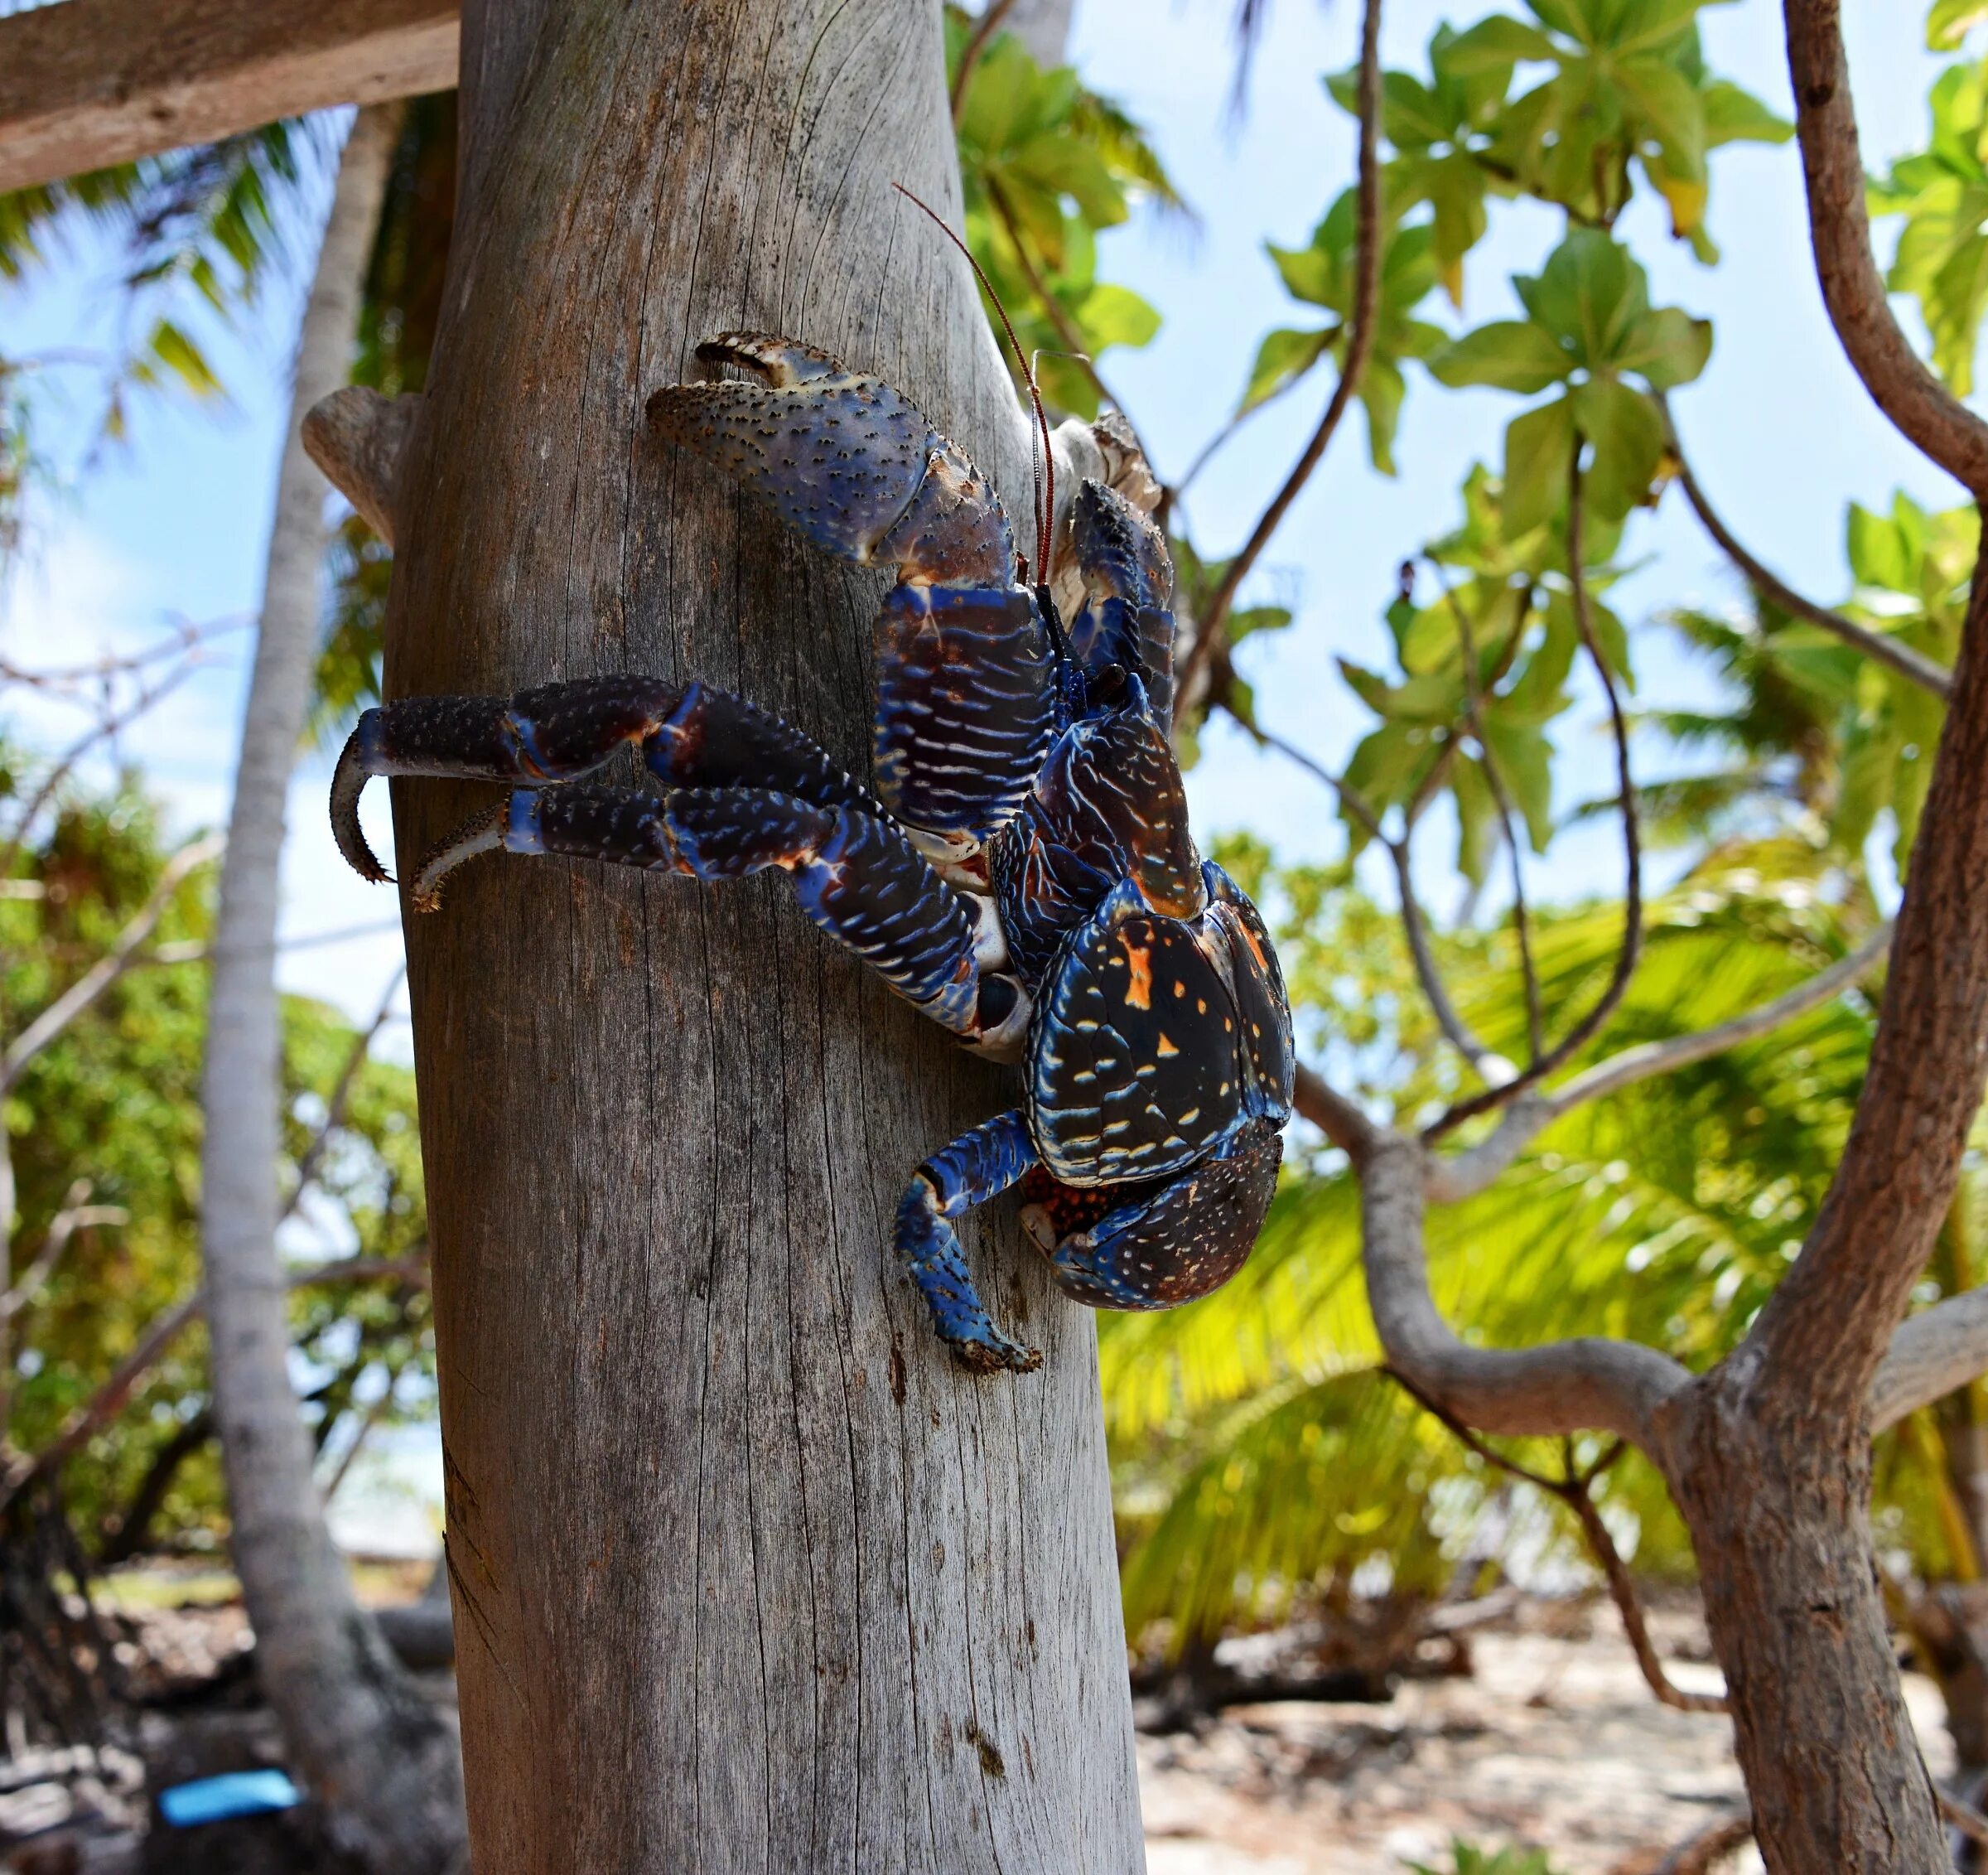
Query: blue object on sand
{"points": [[235, 1793]]}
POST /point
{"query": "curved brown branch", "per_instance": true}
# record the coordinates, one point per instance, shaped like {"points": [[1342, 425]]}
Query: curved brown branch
{"points": [[1921, 408], [1825, 1329], [1627, 957], [1359, 346], [1910, 664], [1590, 1384], [1332, 1115]]}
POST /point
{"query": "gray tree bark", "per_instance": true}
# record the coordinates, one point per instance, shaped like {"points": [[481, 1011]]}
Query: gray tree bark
{"points": [[372, 1751], [746, 1574]]}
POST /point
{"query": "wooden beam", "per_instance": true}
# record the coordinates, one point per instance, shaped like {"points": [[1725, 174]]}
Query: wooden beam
{"points": [[87, 83]]}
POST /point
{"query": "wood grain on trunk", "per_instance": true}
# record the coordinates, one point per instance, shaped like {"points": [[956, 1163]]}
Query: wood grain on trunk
{"points": [[89, 83], [746, 1574]]}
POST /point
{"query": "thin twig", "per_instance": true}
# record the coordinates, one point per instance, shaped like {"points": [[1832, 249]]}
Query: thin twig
{"points": [[76, 1214], [101, 975], [1699, 1853], [1963, 1817], [1910, 664], [1449, 1018], [341, 1092], [1473, 714], [1575, 1489], [1631, 949], [1359, 344], [970, 53], [1076, 346], [151, 1346]]}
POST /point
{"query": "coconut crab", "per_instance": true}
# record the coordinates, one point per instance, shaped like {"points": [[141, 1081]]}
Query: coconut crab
{"points": [[1020, 868]]}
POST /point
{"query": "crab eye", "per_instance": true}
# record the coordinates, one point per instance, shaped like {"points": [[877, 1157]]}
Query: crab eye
{"points": [[1107, 685]]}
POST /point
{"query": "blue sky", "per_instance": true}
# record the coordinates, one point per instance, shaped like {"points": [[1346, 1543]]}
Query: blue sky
{"points": [[174, 523]]}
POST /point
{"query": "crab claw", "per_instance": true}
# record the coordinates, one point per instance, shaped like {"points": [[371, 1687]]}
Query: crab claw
{"points": [[358, 763]]}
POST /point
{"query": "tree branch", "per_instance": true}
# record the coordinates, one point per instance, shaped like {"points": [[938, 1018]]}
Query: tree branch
{"points": [[1466, 1173], [110, 1398], [1589, 1025], [1910, 664], [1473, 714], [1923, 409], [1359, 344], [1826, 1327], [112, 965], [989, 24], [1334, 1114], [1580, 1385]]}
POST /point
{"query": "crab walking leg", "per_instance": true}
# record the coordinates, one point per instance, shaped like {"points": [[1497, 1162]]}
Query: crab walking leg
{"points": [[690, 734], [968, 699], [855, 876], [977, 1165]]}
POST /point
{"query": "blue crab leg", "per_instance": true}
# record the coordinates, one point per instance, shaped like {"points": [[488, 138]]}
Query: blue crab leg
{"points": [[857, 878], [1128, 585], [967, 698], [977, 1165], [690, 735], [1170, 1246]]}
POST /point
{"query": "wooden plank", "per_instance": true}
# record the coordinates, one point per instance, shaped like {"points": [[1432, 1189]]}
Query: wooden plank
{"points": [[88, 83]]}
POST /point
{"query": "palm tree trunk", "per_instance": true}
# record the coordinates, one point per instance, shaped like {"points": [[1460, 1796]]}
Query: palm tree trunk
{"points": [[746, 1574], [370, 1748]]}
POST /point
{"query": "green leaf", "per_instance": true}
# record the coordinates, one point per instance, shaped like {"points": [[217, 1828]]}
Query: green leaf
{"points": [[1670, 106], [1589, 295], [1284, 357], [1114, 315], [1733, 115], [1511, 354], [183, 359], [1476, 819], [1951, 20], [1525, 765], [1878, 551], [1496, 44], [1539, 450], [1382, 391], [1627, 435], [1666, 347]]}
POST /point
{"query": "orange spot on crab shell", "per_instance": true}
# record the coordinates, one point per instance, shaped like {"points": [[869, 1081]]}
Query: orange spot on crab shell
{"points": [[1139, 992], [1166, 1047]]}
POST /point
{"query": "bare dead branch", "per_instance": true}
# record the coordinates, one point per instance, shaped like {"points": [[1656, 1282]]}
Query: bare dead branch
{"points": [[1932, 1354], [1359, 344], [341, 1092], [1626, 958], [1923, 409], [77, 1213], [1963, 1817], [93, 982], [1575, 1489], [151, 1347], [1908, 663], [1590, 1384]]}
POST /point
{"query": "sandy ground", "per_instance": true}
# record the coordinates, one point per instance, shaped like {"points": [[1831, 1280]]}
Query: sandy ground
{"points": [[1556, 1743]]}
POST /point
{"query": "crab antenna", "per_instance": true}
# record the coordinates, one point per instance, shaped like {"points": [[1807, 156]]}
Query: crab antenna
{"points": [[1040, 466]]}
